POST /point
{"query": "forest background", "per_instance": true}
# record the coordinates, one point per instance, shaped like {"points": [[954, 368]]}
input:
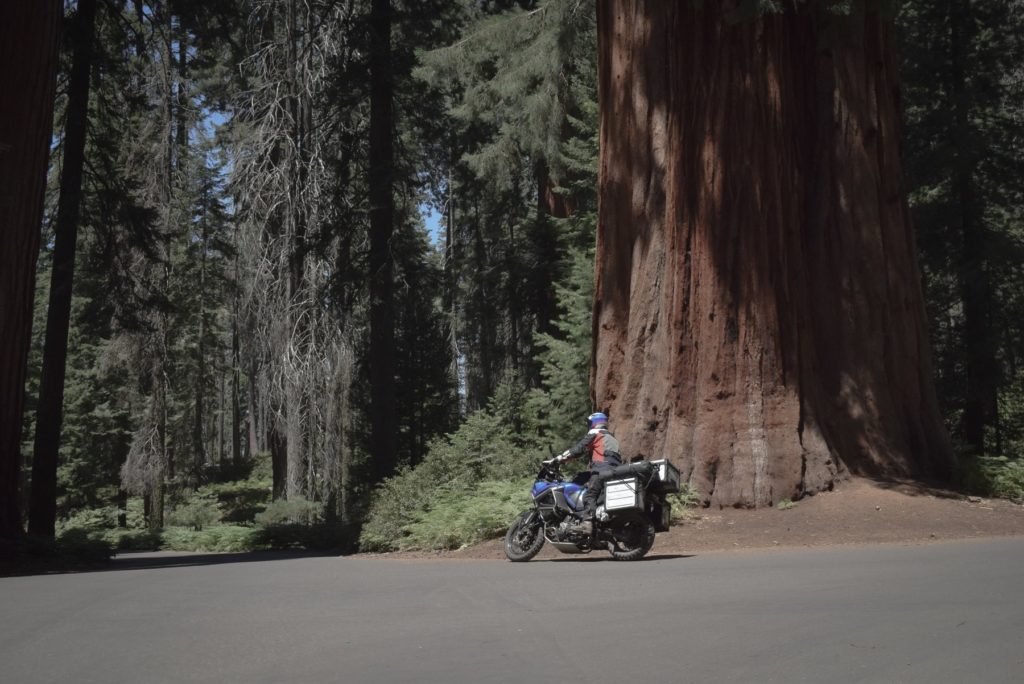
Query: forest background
{"points": [[324, 269]]}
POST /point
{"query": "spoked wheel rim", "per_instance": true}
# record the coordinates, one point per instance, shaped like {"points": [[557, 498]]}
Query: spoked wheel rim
{"points": [[629, 537], [525, 536]]}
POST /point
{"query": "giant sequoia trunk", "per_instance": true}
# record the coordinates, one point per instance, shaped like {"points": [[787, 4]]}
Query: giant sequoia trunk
{"points": [[758, 316], [28, 65], [43, 505]]}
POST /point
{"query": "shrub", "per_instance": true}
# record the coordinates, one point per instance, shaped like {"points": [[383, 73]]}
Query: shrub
{"points": [[462, 516], [215, 538], [80, 546], [995, 476], [683, 502], [488, 447], [1004, 477], [292, 511], [105, 517], [242, 501], [72, 549], [197, 512], [132, 540]]}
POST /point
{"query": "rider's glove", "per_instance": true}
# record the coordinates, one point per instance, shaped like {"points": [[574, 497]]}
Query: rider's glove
{"points": [[564, 456]]}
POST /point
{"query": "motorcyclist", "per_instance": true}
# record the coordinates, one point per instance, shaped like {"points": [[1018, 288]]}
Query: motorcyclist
{"points": [[603, 449]]}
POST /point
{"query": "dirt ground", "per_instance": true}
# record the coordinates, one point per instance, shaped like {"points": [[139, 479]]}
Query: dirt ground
{"points": [[859, 511]]}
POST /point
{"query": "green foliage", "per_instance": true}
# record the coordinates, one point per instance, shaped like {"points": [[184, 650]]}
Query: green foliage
{"points": [[565, 356], [291, 511], [104, 517], [683, 502], [994, 476], [785, 504], [198, 512], [72, 550], [1006, 477], [239, 501], [123, 539], [512, 69], [964, 113], [216, 538], [496, 444], [459, 517], [74, 545]]}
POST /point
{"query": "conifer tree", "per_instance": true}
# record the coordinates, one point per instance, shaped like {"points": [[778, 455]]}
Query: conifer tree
{"points": [[961, 64]]}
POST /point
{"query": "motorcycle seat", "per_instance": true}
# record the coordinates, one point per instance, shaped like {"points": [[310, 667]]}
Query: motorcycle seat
{"points": [[639, 468]]}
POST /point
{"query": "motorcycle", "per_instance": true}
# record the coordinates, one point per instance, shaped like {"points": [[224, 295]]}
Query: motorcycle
{"points": [[630, 511]]}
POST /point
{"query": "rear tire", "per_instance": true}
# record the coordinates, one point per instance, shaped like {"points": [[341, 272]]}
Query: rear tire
{"points": [[633, 536], [525, 537]]}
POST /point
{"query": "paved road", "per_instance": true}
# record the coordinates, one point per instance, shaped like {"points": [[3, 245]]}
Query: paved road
{"points": [[943, 613]]}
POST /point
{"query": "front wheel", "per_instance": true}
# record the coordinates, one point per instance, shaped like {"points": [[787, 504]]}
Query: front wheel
{"points": [[525, 538], [632, 536]]}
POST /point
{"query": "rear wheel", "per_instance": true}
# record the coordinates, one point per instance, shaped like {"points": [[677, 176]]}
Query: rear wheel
{"points": [[632, 536], [525, 537]]}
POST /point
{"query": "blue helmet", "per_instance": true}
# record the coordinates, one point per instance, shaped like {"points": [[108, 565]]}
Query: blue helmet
{"points": [[597, 420]]}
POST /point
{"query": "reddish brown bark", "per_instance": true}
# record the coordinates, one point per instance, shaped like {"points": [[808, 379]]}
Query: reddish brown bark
{"points": [[43, 503], [758, 314], [28, 63]]}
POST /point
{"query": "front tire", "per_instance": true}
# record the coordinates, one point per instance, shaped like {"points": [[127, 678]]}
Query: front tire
{"points": [[632, 536], [525, 537]]}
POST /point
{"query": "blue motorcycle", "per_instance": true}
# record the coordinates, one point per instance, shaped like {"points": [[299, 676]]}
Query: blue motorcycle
{"points": [[631, 510]]}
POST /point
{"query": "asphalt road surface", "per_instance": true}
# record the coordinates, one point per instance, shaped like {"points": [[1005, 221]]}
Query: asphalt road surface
{"points": [[951, 612]]}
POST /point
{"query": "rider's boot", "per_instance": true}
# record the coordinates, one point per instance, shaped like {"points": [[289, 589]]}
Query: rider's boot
{"points": [[587, 514]]}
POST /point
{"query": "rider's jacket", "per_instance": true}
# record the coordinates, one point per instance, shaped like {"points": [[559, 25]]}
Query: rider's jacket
{"points": [[602, 447]]}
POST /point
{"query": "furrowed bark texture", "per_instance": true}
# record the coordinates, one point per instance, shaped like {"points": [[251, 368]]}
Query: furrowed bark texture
{"points": [[28, 63], [43, 505], [758, 313]]}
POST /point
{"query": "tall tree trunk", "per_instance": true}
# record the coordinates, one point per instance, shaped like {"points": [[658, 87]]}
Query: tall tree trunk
{"points": [[199, 455], [155, 517], [451, 270], [980, 365], [296, 229], [236, 377], [221, 410], [758, 310], [383, 411], [43, 504], [553, 204], [256, 444], [278, 460], [29, 36]]}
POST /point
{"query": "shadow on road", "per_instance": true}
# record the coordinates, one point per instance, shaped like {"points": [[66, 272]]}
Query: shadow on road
{"points": [[918, 488], [602, 559], [160, 560]]}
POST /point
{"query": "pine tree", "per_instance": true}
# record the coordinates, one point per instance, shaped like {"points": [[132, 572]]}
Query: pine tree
{"points": [[503, 179], [961, 62]]}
